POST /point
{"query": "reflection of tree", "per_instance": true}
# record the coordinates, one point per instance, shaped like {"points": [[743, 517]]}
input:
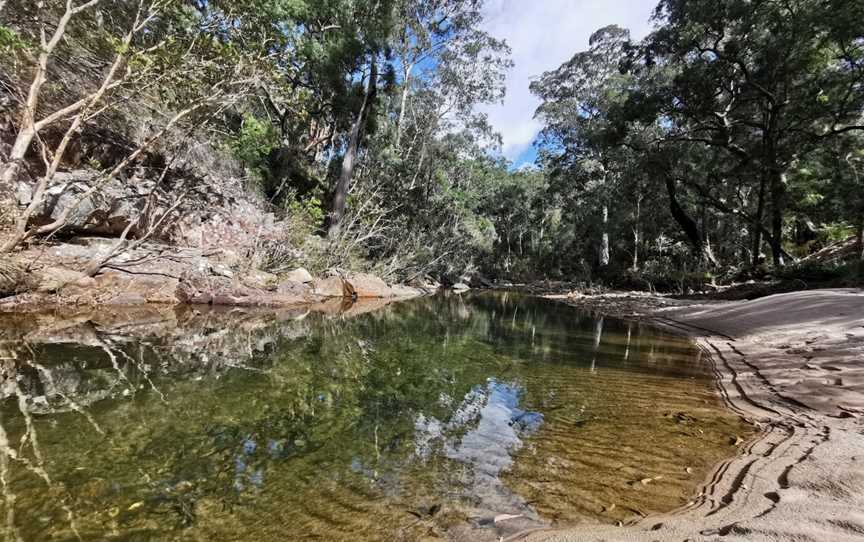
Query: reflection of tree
{"points": [[28, 444], [214, 396], [209, 420]]}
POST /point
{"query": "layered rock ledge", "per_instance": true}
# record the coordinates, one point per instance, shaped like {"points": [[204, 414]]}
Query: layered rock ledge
{"points": [[160, 274]]}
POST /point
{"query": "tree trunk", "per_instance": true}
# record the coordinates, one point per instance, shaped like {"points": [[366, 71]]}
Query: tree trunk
{"points": [[773, 171], [404, 103], [636, 230], [28, 126], [340, 193], [757, 223], [778, 205], [861, 239], [688, 225], [604, 240]]}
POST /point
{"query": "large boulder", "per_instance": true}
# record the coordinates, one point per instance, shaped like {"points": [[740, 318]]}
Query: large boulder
{"points": [[332, 286], [365, 285]]}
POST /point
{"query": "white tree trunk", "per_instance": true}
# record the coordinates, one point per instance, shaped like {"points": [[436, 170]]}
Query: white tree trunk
{"points": [[604, 242], [406, 82]]}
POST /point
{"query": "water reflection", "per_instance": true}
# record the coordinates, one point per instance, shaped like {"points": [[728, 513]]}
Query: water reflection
{"points": [[482, 435], [429, 416]]}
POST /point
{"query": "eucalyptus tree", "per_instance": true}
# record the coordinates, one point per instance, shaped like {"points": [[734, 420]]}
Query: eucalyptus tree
{"points": [[761, 84], [577, 99], [442, 43], [429, 151]]}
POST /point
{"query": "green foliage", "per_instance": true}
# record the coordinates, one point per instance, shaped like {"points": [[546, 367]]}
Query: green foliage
{"points": [[825, 274], [11, 41], [728, 133], [253, 143]]}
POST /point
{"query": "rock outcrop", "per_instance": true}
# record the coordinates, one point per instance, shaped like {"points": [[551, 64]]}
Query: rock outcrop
{"points": [[161, 274], [364, 285], [332, 286], [108, 211]]}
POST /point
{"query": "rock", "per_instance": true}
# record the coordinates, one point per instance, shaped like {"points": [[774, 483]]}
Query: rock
{"points": [[52, 279], [460, 287], [117, 288], [107, 212], [290, 287], [198, 290], [222, 271], [261, 280], [24, 194], [227, 257], [400, 290], [126, 298], [427, 283], [478, 281], [299, 275], [365, 285], [333, 286]]}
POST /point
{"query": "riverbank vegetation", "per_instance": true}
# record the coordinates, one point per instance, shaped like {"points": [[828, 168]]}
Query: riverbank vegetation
{"points": [[726, 145]]}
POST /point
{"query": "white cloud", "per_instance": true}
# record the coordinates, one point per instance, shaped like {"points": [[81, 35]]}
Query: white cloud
{"points": [[543, 34]]}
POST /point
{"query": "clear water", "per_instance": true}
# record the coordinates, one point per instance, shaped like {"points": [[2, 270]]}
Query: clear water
{"points": [[419, 420]]}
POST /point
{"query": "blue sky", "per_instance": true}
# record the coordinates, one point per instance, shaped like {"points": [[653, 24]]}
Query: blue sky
{"points": [[543, 34]]}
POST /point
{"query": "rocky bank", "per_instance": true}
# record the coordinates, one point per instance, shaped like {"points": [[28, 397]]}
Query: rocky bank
{"points": [[154, 273]]}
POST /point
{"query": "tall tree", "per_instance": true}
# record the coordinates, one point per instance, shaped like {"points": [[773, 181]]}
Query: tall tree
{"points": [[762, 83], [577, 99]]}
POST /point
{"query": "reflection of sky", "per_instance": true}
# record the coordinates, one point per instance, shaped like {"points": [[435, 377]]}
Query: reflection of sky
{"points": [[245, 475], [483, 433], [481, 436]]}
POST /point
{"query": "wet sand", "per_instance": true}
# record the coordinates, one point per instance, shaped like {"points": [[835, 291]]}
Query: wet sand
{"points": [[793, 364]]}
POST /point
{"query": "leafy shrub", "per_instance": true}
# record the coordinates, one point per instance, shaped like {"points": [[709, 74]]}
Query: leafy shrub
{"points": [[253, 143]]}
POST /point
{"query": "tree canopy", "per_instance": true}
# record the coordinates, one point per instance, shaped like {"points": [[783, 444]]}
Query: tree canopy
{"points": [[727, 141]]}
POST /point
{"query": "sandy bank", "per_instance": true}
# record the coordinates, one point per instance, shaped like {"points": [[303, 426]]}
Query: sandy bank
{"points": [[793, 364]]}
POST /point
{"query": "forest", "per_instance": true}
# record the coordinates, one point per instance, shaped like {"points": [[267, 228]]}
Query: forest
{"points": [[727, 145]]}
